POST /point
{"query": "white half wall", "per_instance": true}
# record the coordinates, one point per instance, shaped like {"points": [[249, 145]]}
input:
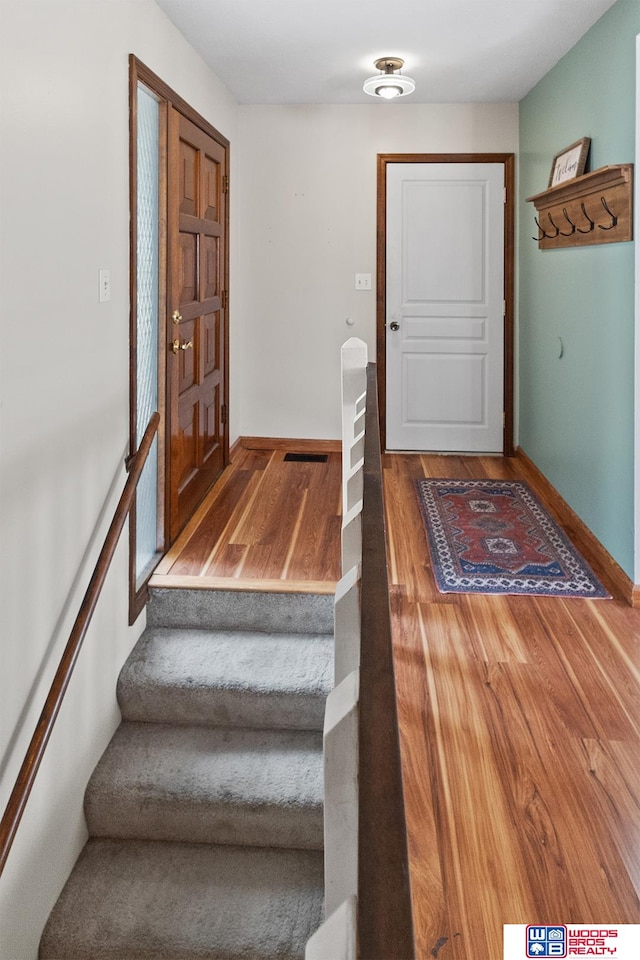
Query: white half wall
{"points": [[307, 220], [64, 395]]}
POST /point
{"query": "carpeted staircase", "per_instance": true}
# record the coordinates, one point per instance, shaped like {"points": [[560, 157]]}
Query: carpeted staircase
{"points": [[205, 811]]}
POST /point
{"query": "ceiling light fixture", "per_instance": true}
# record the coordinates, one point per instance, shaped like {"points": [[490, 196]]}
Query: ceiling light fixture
{"points": [[389, 84]]}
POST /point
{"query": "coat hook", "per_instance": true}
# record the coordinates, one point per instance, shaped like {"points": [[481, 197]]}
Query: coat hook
{"points": [[552, 235], [544, 234], [570, 222], [614, 219], [587, 217]]}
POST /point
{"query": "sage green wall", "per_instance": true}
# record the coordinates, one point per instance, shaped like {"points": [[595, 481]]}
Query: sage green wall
{"points": [[576, 412]]}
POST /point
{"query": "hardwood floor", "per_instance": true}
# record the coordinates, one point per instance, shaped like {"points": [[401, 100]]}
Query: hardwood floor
{"points": [[519, 716], [519, 723], [266, 521]]}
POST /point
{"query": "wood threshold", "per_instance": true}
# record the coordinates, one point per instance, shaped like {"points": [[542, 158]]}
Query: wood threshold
{"points": [[608, 569], [325, 587]]}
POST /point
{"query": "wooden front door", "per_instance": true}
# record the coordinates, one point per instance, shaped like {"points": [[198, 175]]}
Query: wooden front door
{"points": [[196, 316]]}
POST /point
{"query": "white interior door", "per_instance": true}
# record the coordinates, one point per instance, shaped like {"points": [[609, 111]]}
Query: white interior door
{"points": [[445, 307]]}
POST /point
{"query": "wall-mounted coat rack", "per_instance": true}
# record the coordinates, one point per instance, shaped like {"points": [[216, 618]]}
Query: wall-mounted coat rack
{"points": [[594, 208]]}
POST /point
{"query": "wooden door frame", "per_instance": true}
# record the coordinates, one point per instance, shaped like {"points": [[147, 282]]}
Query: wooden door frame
{"points": [[140, 73], [508, 161]]}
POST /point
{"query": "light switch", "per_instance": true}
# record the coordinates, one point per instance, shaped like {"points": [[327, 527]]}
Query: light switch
{"points": [[104, 286], [363, 281]]}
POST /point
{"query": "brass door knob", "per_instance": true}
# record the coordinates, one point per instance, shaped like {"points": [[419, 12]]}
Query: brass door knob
{"points": [[176, 346]]}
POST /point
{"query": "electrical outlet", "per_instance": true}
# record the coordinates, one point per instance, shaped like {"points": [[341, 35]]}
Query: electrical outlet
{"points": [[363, 281]]}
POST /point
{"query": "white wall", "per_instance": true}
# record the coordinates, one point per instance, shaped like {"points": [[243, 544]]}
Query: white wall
{"points": [[304, 223], [64, 394], [307, 221]]}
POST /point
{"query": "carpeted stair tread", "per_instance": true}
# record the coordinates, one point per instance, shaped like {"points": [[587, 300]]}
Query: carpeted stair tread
{"points": [[248, 679], [142, 900], [208, 785], [241, 610], [205, 811]]}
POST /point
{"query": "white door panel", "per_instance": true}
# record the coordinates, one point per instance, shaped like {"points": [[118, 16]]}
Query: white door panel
{"points": [[445, 291], [432, 391]]}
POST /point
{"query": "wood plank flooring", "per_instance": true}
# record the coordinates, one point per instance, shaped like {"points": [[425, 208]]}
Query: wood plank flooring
{"points": [[267, 521], [519, 716], [519, 721]]}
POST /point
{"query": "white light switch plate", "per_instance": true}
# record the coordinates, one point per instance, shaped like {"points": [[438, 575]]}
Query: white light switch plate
{"points": [[363, 281]]}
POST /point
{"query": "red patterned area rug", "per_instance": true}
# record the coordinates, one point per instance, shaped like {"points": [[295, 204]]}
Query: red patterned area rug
{"points": [[494, 536]]}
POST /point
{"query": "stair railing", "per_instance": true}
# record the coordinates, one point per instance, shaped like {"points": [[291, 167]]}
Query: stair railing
{"points": [[35, 751], [367, 892]]}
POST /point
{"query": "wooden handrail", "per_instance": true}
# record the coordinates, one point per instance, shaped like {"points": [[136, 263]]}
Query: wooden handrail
{"points": [[384, 924], [35, 751]]}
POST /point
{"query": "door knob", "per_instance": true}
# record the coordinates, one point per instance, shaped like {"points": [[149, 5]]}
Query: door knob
{"points": [[394, 325], [176, 346], [176, 316]]}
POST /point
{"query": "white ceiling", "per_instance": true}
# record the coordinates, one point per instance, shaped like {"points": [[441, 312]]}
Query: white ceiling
{"points": [[321, 51]]}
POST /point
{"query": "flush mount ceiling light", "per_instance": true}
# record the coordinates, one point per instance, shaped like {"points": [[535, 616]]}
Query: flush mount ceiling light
{"points": [[389, 84]]}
